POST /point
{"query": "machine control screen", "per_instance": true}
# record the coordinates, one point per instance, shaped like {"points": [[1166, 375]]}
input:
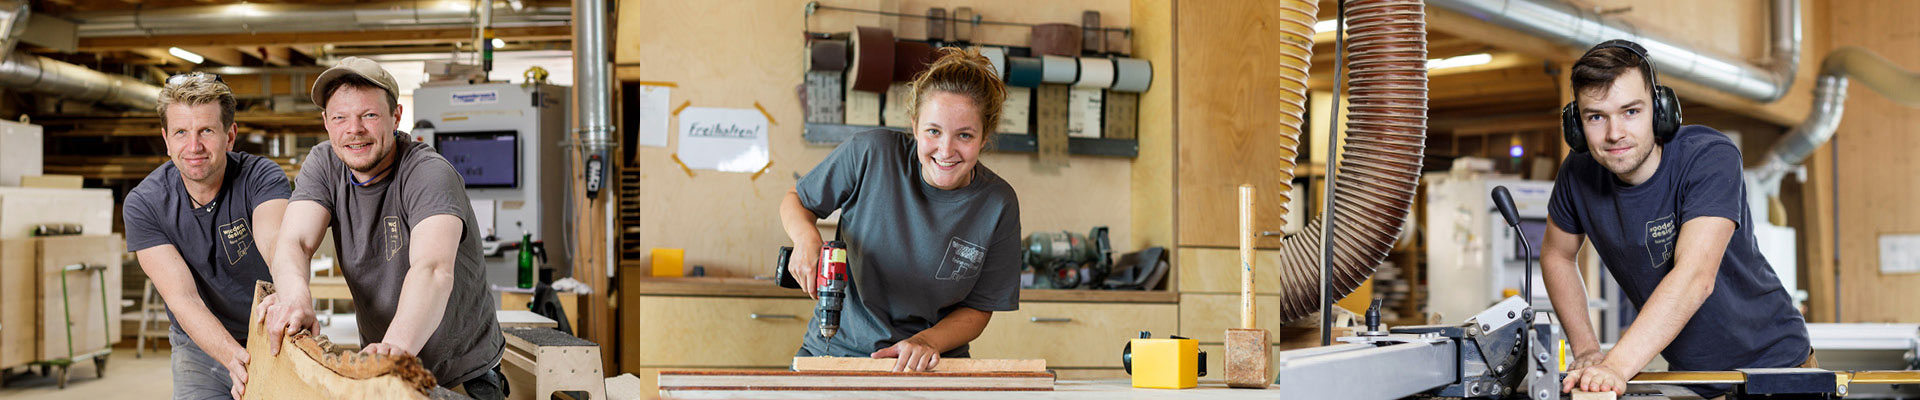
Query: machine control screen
{"points": [[484, 159]]}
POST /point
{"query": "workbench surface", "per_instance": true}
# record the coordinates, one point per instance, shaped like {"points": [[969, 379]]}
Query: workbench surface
{"points": [[1118, 389]]}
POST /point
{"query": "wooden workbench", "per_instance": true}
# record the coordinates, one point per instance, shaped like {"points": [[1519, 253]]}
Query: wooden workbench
{"points": [[749, 287], [1062, 390]]}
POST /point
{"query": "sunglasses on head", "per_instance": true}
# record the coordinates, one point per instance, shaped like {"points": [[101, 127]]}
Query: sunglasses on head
{"points": [[177, 79]]}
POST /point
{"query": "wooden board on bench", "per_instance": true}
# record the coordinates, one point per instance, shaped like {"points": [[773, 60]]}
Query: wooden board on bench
{"points": [[695, 380]]}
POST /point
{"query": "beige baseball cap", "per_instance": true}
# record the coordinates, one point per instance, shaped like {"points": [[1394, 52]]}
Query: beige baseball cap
{"points": [[353, 66]]}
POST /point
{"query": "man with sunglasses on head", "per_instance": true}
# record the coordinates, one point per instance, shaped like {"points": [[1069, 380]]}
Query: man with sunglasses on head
{"points": [[199, 225], [406, 235], [1666, 209]]}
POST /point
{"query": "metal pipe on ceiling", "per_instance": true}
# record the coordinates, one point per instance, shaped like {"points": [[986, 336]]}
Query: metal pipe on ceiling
{"points": [[257, 18], [1571, 26], [51, 77], [1829, 104]]}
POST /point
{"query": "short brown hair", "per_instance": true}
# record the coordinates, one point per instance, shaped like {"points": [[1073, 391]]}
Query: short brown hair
{"points": [[195, 89], [357, 82], [1600, 67], [965, 73]]}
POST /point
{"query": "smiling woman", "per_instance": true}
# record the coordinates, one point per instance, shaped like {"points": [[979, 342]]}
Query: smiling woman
{"points": [[932, 235]]}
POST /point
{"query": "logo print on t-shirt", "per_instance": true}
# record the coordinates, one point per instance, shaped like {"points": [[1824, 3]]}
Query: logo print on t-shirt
{"points": [[235, 240], [962, 260], [391, 225], [1660, 238]]}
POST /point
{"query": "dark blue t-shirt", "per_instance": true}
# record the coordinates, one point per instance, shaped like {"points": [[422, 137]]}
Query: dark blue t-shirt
{"points": [[216, 239], [1749, 320]]}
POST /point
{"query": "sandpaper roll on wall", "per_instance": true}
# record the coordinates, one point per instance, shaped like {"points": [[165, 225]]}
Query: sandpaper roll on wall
{"points": [[1132, 75], [996, 56], [827, 55], [1095, 73], [910, 59], [1055, 40], [1025, 71], [872, 60], [1057, 69]]}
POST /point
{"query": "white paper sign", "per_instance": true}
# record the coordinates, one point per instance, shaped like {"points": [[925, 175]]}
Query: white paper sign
{"points": [[654, 114], [723, 139]]}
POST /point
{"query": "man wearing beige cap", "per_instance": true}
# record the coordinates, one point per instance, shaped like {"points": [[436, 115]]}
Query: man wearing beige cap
{"points": [[404, 231]]}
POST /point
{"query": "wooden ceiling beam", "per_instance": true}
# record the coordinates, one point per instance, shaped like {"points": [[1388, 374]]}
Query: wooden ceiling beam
{"points": [[222, 55], [271, 55], [418, 36]]}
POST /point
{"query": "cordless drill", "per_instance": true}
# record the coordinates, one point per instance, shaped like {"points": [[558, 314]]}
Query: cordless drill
{"points": [[830, 279], [832, 284]]}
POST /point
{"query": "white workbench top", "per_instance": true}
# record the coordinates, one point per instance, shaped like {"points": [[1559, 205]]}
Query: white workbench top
{"points": [[1118, 389]]}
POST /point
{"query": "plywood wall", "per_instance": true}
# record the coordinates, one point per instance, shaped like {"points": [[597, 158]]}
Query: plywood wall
{"points": [[1879, 179], [738, 53]]}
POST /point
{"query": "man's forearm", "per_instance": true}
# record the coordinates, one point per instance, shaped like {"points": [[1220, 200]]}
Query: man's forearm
{"points": [[1667, 311], [423, 303], [292, 261], [1569, 297], [200, 325], [958, 328]]}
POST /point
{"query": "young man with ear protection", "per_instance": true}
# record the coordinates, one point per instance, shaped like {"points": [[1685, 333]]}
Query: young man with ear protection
{"points": [[1666, 209]]}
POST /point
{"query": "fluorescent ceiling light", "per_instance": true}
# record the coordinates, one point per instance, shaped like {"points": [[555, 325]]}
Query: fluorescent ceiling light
{"points": [[186, 55], [1459, 61], [1325, 26]]}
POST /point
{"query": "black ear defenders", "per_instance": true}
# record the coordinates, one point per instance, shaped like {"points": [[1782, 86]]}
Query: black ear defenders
{"points": [[1666, 107]]}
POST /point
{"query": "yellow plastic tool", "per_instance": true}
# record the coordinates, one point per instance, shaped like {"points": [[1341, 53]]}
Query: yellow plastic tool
{"points": [[1174, 363], [669, 262]]}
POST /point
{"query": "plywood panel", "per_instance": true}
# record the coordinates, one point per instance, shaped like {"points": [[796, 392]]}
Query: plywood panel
{"points": [[729, 222], [19, 258], [1215, 270], [1153, 169], [1879, 177], [1227, 111], [22, 208], [1063, 333], [721, 331], [94, 319], [1206, 317]]}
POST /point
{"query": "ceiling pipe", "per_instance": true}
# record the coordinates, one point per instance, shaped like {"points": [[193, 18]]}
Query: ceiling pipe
{"points": [[261, 18], [1829, 104], [50, 77], [1573, 27]]}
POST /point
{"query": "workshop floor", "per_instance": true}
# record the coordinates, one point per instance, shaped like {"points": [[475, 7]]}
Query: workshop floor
{"points": [[148, 377]]}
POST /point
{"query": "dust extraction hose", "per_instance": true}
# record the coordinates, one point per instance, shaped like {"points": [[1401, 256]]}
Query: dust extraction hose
{"points": [[1381, 158]]}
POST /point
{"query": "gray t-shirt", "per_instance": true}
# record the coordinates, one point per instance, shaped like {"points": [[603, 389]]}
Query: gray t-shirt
{"points": [[216, 239], [371, 227], [916, 252]]}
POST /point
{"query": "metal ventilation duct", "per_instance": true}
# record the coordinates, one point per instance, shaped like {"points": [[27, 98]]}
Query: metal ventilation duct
{"points": [[1570, 26], [46, 76], [1829, 103], [258, 17]]}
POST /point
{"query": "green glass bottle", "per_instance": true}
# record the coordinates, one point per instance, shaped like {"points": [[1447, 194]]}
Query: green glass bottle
{"points": [[526, 260]]}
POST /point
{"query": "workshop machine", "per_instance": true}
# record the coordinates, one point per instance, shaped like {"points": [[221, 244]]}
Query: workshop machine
{"points": [[1067, 260], [1506, 352], [504, 139], [1471, 251]]}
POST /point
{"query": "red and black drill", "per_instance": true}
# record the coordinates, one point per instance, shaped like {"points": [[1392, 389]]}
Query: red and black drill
{"points": [[830, 280]]}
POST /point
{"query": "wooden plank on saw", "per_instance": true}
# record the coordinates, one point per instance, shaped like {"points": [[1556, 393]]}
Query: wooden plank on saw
{"points": [[692, 380], [945, 364]]}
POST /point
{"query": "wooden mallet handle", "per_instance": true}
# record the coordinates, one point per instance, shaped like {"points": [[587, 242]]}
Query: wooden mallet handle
{"points": [[1246, 258]]}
